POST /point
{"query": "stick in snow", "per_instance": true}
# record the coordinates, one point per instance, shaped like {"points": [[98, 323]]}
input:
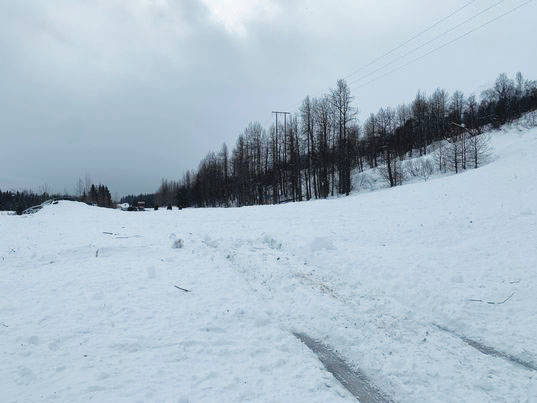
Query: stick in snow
{"points": [[97, 253], [182, 289], [492, 302]]}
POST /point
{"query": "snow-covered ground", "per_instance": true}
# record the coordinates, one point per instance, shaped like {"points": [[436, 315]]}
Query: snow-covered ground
{"points": [[88, 307]]}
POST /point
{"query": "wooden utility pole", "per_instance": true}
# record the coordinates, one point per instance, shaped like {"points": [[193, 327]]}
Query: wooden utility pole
{"points": [[285, 119], [277, 175], [284, 128]]}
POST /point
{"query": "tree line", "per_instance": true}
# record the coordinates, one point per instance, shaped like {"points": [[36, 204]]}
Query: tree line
{"points": [[20, 200], [97, 195], [313, 154], [89, 193], [147, 198]]}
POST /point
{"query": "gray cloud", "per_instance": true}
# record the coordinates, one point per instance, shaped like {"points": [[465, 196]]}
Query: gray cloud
{"points": [[132, 91]]}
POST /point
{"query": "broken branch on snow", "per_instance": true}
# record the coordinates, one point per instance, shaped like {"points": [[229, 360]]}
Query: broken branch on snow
{"points": [[493, 302], [182, 289]]}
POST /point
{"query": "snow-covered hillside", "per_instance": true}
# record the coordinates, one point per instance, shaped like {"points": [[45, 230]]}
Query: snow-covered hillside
{"points": [[398, 281]]}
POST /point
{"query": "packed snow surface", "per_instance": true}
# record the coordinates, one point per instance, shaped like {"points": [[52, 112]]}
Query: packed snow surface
{"points": [[89, 307]]}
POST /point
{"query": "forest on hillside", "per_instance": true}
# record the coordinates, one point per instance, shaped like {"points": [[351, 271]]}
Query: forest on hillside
{"points": [[313, 154]]}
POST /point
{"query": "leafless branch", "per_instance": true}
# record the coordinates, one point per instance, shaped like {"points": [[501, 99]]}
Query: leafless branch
{"points": [[493, 302], [182, 289]]}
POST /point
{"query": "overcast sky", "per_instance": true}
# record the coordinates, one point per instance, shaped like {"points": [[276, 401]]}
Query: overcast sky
{"points": [[131, 91]]}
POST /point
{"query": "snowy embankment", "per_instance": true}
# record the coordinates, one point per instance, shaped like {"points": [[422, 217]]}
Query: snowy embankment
{"points": [[88, 306]]}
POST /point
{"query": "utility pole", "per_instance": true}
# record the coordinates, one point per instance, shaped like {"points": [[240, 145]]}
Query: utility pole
{"points": [[284, 128], [278, 177], [285, 119]]}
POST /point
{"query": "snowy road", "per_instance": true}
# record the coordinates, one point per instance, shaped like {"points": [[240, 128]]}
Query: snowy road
{"points": [[91, 311]]}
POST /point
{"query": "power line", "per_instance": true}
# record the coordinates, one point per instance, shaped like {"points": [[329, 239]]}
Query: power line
{"points": [[411, 39], [447, 43], [414, 37], [428, 42]]}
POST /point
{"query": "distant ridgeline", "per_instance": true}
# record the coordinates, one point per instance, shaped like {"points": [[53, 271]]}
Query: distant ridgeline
{"points": [[21, 200], [316, 153]]}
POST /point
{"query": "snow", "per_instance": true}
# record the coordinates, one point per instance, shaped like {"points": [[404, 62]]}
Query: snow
{"points": [[88, 307]]}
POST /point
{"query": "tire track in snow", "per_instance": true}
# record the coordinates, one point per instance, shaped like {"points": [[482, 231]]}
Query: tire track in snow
{"points": [[352, 380], [490, 351], [252, 256]]}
